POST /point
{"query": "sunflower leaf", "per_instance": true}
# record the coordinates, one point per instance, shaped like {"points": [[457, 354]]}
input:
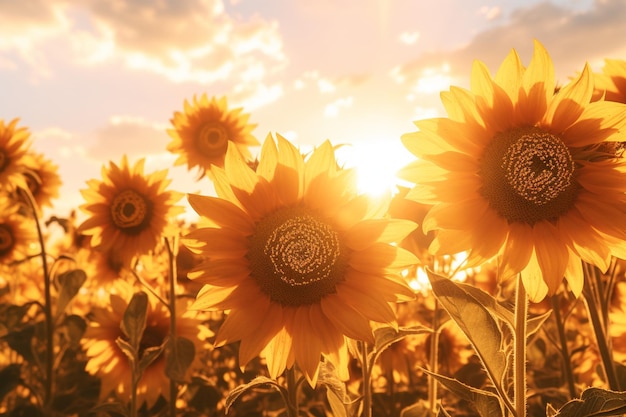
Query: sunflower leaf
{"points": [[490, 303], [258, 381], [534, 323], [475, 320], [71, 282], [419, 409], [127, 349], [111, 408], [595, 402], [487, 404], [148, 356], [181, 354], [134, 321], [387, 335]]}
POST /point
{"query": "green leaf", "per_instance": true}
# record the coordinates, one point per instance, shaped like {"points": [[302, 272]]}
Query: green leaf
{"points": [[181, 354], [337, 406], [387, 335], [75, 327], [419, 409], [443, 413], [128, 350], [148, 356], [134, 321], [533, 324], [498, 310], [595, 402], [70, 282], [476, 322], [487, 404], [258, 381]]}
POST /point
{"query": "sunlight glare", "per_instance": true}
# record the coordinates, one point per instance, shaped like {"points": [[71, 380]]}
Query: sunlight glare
{"points": [[376, 163]]}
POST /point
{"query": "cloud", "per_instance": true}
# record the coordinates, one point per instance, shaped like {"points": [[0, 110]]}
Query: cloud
{"points": [[332, 109], [131, 136], [571, 37], [24, 25], [191, 40]]}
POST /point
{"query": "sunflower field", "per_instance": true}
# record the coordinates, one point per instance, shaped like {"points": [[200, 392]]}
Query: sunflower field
{"points": [[494, 285]]}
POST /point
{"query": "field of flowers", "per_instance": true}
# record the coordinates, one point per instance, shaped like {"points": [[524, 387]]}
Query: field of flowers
{"points": [[495, 286]]}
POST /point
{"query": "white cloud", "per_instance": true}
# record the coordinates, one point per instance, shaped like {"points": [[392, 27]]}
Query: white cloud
{"points": [[332, 109], [409, 38]]}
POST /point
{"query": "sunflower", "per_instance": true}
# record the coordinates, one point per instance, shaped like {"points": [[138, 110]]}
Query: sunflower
{"points": [[110, 363], [201, 134], [129, 211], [518, 171], [298, 258], [42, 179], [612, 81], [17, 233], [14, 146]]}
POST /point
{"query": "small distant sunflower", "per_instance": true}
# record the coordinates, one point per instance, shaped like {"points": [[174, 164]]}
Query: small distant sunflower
{"points": [[14, 146], [298, 258], [42, 179], [110, 363], [612, 81], [518, 171], [129, 211], [202, 132], [17, 233]]}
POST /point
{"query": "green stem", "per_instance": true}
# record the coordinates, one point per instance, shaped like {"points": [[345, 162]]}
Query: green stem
{"points": [[292, 392], [49, 324], [567, 365], [172, 308], [434, 360], [133, 391], [591, 296], [367, 383], [519, 358]]}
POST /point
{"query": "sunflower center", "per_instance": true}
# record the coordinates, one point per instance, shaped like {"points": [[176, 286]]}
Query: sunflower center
{"points": [[527, 175], [6, 239], [295, 257], [4, 160], [130, 211], [212, 139], [33, 182]]}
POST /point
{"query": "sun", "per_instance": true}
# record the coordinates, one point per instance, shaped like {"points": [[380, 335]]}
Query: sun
{"points": [[376, 162]]}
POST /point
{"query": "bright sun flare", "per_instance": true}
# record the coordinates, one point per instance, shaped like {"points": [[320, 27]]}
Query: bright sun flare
{"points": [[377, 163]]}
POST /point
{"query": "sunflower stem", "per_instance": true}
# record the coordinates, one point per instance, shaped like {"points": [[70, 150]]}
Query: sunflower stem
{"points": [[519, 353], [367, 383], [292, 392], [593, 301], [49, 324], [172, 309], [434, 360], [567, 365]]}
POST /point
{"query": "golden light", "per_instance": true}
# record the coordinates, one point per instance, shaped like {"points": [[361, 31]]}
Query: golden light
{"points": [[376, 163]]}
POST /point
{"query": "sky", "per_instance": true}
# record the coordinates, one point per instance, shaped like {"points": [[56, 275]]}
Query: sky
{"points": [[94, 79]]}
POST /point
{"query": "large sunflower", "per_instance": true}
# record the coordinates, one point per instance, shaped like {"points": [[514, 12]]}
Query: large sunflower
{"points": [[202, 132], [14, 146], [611, 82], [129, 211], [296, 256], [518, 171]]}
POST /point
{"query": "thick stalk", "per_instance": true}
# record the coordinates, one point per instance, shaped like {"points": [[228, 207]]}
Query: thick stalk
{"points": [[519, 359], [567, 365], [49, 324], [292, 392], [367, 383], [591, 296], [172, 308], [434, 360]]}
